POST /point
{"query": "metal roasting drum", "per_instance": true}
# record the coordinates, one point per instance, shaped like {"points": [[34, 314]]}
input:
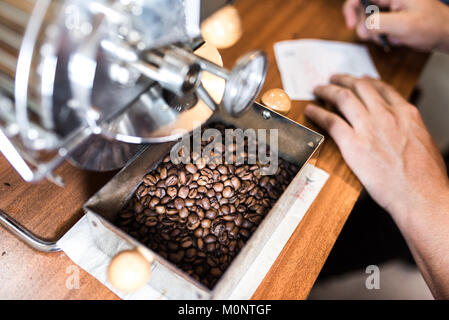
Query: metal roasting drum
{"points": [[91, 81]]}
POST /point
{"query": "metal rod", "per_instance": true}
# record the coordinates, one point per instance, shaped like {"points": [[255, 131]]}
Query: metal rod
{"points": [[213, 68], [27, 236], [204, 95]]}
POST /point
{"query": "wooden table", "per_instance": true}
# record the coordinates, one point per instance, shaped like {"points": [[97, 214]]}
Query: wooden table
{"points": [[50, 211]]}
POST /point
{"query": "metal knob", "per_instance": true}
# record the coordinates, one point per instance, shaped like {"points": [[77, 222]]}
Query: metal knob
{"points": [[129, 270], [222, 29]]}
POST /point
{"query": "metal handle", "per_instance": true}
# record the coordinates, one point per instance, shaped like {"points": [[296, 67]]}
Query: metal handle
{"points": [[27, 236]]}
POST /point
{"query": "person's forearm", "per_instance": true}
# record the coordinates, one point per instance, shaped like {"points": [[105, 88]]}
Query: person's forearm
{"points": [[425, 228]]}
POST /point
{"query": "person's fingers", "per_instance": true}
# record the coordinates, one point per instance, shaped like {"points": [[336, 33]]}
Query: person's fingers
{"points": [[351, 10], [337, 128], [382, 3], [363, 32], [393, 24], [364, 89], [345, 101], [395, 41], [388, 93]]}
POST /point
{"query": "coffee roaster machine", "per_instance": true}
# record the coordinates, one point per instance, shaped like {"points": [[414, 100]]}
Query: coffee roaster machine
{"points": [[99, 83]]}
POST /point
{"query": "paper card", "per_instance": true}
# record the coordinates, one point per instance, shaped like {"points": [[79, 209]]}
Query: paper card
{"points": [[304, 64]]}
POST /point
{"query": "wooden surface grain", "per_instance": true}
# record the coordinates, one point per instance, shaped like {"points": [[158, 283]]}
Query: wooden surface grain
{"points": [[50, 211]]}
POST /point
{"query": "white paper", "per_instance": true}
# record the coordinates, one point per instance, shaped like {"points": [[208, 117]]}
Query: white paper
{"points": [[304, 64], [80, 246]]}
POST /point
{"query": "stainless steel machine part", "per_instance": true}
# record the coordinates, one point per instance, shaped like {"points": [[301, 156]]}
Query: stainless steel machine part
{"points": [[26, 236], [86, 73]]}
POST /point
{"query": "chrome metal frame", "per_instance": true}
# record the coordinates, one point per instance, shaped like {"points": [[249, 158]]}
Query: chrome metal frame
{"points": [[26, 236]]}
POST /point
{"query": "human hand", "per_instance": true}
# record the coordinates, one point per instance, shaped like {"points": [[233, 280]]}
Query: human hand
{"points": [[420, 24], [385, 142]]}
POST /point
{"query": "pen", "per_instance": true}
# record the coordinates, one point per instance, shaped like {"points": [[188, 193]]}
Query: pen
{"points": [[383, 38]]}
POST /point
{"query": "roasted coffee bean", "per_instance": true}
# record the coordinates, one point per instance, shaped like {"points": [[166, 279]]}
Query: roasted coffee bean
{"points": [[200, 243], [142, 191], [229, 226], [198, 232], [205, 223], [232, 245], [247, 224], [227, 192], [202, 181], [172, 192], [191, 168], [264, 181], [211, 261], [210, 239], [163, 173], [160, 193], [210, 247], [193, 193], [175, 233], [244, 232], [222, 169], [183, 213], [176, 257], [217, 228], [200, 163], [171, 212], [200, 213], [151, 221], [210, 193], [218, 187], [165, 200], [127, 214], [172, 245], [138, 207], [182, 178], [193, 221], [161, 184], [150, 213], [225, 209], [216, 272], [149, 180], [211, 214], [234, 232], [186, 242], [171, 180], [202, 189], [205, 203], [183, 192], [191, 253], [179, 203], [160, 209]]}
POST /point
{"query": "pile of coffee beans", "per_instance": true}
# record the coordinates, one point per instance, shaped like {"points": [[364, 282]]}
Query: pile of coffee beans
{"points": [[199, 216]]}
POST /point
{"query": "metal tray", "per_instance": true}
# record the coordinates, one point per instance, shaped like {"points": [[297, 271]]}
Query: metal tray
{"points": [[296, 144]]}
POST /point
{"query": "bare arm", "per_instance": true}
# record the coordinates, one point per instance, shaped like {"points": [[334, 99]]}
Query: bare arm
{"points": [[384, 141]]}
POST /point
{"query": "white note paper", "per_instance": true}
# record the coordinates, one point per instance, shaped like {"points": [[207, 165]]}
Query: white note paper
{"points": [[304, 64]]}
